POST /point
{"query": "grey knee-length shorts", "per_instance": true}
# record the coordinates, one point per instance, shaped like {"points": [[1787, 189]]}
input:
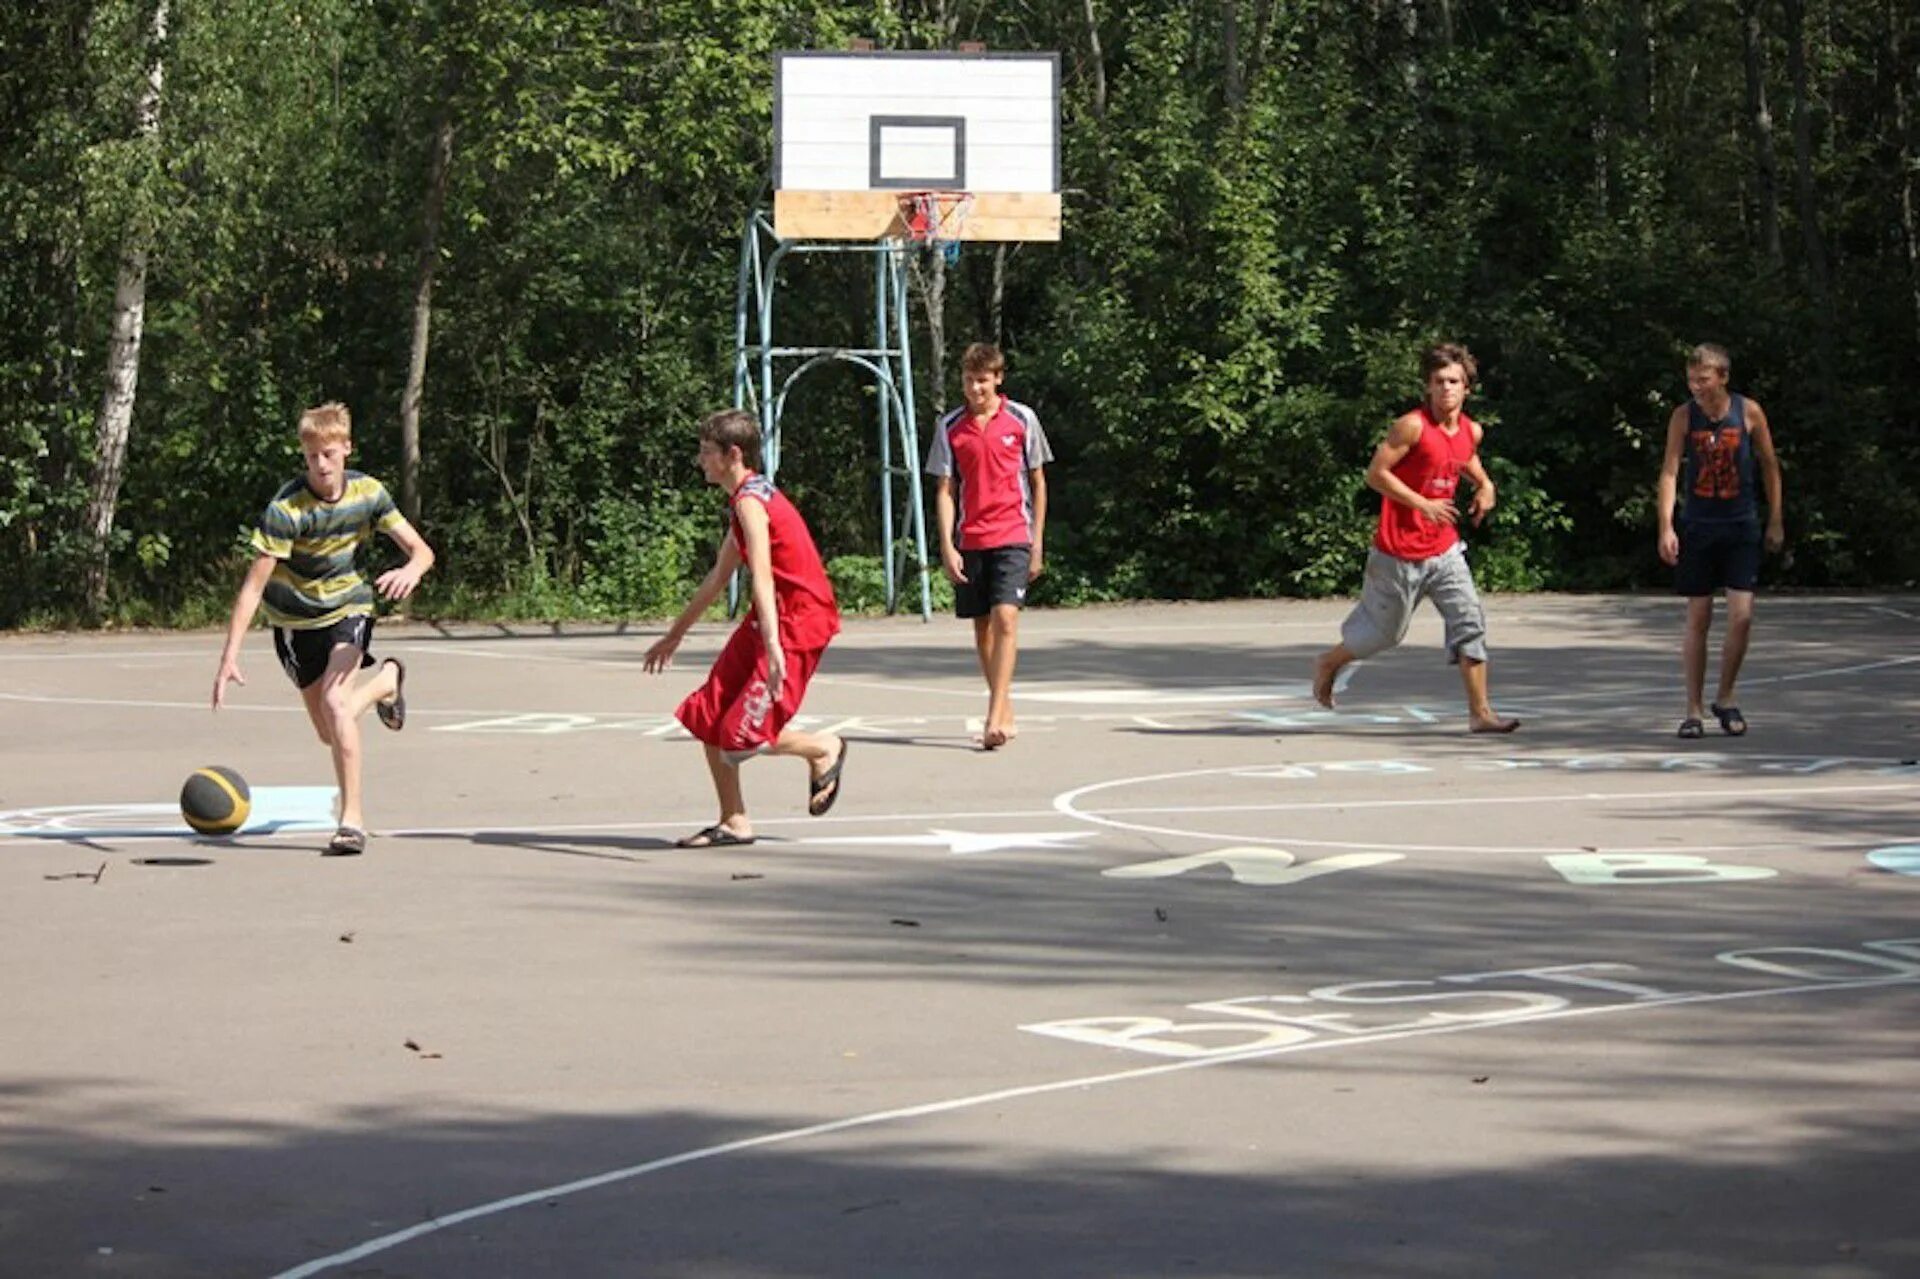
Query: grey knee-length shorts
{"points": [[1394, 588]]}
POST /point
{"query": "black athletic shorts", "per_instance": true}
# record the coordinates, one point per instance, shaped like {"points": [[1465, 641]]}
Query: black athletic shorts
{"points": [[1719, 556], [304, 654], [996, 575]]}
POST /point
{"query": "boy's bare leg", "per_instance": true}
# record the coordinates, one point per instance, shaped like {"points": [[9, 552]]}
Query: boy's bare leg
{"points": [[1003, 646], [1733, 649], [377, 687], [330, 703], [1693, 652], [820, 750], [1480, 714], [1326, 670], [823, 753], [726, 787]]}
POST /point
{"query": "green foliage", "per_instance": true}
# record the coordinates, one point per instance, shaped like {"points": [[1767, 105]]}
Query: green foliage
{"points": [[1258, 237], [860, 585]]}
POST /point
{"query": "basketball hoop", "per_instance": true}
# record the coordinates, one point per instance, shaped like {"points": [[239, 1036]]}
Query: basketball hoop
{"points": [[937, 219]]}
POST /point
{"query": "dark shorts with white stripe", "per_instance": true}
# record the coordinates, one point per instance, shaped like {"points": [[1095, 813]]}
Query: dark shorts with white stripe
{"points": [[304, 654]]}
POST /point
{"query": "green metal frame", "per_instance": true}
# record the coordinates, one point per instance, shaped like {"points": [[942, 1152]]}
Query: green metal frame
{"points": [[889, 360]]}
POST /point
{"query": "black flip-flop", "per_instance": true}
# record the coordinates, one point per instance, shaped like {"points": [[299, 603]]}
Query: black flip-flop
{"points": [[394, 713], [348, 841], [1691, 728], [1732, 722], [715, 836], [828, 782]]}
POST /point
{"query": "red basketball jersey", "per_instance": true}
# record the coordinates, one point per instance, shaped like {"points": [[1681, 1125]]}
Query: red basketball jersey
{"points": [[1431, 468], [802, 595]]}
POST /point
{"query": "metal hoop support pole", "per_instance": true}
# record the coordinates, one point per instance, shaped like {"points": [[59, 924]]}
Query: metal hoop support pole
{"points": [[761, 254]]}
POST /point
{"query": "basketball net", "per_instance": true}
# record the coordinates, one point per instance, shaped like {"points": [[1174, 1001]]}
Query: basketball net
{"points": [[936, 219]]}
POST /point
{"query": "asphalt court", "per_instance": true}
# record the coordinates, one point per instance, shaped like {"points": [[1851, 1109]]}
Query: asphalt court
{"points": [[1192, 979]]}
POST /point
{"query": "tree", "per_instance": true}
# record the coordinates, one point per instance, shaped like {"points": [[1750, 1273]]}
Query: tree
{"points": [[129, 323]]}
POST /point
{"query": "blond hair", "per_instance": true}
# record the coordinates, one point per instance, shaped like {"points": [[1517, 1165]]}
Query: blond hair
{"points": [[1710, 355], [329, 424]]}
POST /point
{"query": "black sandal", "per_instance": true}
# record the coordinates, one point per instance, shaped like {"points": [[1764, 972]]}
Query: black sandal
{"points": [[1732, 722], [1691, 728], [714, 836], [828, 783], [394, 713], [348, 841]]}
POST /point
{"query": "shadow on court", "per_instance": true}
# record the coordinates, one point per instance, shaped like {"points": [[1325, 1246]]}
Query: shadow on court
{"points": [[919, 1199]]}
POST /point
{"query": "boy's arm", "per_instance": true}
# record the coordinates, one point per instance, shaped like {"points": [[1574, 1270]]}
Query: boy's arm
{"points": [[1037, 477], [943, 515], [759, 553], [246, 602], [1668, 489], [1401, 437], [1762, 432], [398, 583], [1484, 493], [660, 656]]}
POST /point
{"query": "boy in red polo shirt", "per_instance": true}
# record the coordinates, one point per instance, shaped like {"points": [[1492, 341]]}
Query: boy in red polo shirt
{"points": [[1417, 553], [759, 679], [990, 506]]}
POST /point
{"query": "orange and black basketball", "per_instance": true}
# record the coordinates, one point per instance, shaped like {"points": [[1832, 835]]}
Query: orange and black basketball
{"points": [[215, 800]]}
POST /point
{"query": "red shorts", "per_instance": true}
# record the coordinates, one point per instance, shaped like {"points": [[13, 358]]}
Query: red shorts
{"points": [[732, 711]]}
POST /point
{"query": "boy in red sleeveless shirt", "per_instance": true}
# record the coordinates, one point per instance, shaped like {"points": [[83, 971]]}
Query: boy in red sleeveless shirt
{"points": [[759, 679], [1417, 553]]}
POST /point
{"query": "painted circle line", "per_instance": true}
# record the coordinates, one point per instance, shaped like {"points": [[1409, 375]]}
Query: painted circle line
{"points": [[1067, 804]]}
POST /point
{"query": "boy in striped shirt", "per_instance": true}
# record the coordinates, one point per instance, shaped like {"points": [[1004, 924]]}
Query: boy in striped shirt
{"points": [[305, 575]]}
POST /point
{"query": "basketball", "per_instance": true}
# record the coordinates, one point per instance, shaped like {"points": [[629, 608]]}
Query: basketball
{"points": [[215, 800]]}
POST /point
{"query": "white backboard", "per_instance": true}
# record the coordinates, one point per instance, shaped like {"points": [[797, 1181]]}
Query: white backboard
{"points": [[900, 121]]}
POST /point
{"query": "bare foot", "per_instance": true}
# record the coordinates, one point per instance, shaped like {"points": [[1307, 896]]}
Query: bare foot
{"points": [[993, 739], [1492, 724], [1324, 672]]}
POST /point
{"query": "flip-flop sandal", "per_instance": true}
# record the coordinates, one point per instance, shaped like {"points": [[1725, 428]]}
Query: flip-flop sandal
{"points": [[1732, 722], [1691, 728], [828, 782], [394, 713], [348, 841], [715, 836]]}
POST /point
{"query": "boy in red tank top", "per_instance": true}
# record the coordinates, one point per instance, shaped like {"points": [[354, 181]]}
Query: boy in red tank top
{"points": [[759, 679], [1417, 553]]}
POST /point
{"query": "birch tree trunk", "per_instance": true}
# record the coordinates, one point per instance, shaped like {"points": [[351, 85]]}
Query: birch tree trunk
{"points": [[1096, 61], [1806, 198], [435, 206], [1766, 191], [115, 419], [1230, 52], [929, 267], [1906, 81]]}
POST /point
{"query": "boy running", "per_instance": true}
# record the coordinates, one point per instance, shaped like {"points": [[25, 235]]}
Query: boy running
{"points": [[1417, 553], [990, 506], [760, 677], [320, 606]]}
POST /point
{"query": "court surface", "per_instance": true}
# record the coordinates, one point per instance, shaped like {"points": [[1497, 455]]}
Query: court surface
{"points": [[1192, 979]]}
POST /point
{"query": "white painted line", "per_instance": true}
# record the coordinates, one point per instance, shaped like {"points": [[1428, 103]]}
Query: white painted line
{"points": [[1066, 804], [905, 1113]]}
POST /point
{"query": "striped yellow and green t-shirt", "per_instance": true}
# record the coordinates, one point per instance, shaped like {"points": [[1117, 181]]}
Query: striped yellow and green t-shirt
{"points": [[316, 582]]}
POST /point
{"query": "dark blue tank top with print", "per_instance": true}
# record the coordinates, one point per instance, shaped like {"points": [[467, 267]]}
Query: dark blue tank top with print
{"points": [[1717, 477]]}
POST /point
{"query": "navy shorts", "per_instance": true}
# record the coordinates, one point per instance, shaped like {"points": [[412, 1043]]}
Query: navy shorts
{"points": [[304, 654], [1722, 556], [997, 575]]}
